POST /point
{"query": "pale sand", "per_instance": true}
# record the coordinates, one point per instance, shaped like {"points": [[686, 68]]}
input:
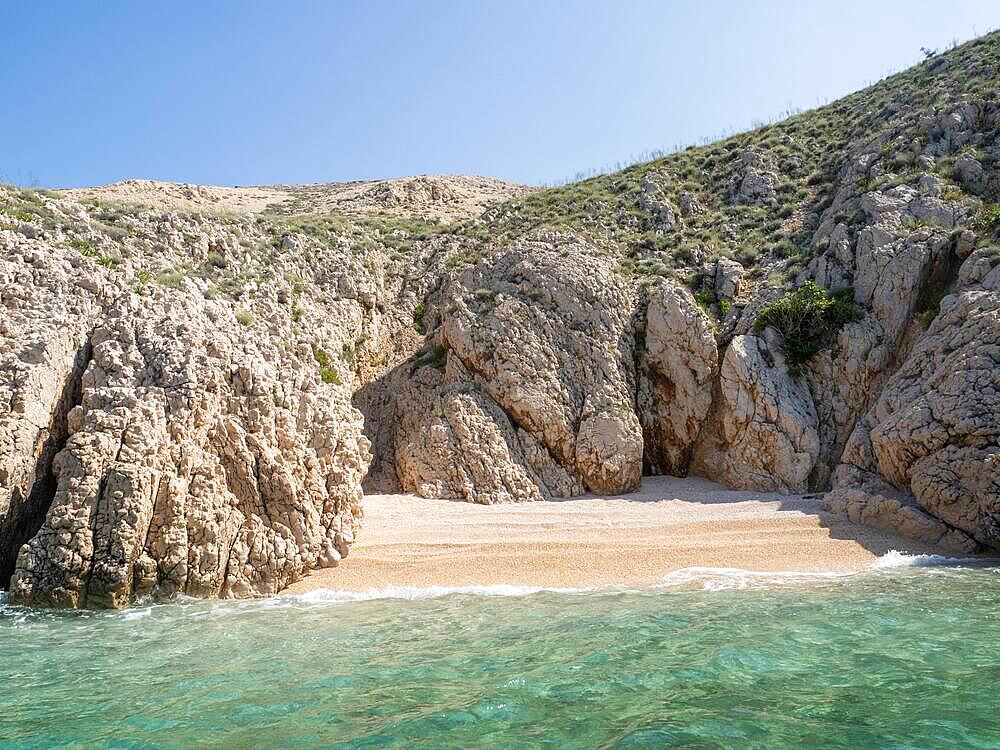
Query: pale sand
{"points": [[631, 540]]}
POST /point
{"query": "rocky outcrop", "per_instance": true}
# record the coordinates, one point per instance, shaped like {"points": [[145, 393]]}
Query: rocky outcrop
{"points": [[539, 341], [453, 441], [762, 432], [934, 432], [41, 370], [678, 365], [192, 466], [728, 278], [155, 441], [753, 179], [655, 203]]}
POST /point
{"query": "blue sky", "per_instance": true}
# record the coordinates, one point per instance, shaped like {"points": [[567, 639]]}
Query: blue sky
{"points": [[238, 93]]}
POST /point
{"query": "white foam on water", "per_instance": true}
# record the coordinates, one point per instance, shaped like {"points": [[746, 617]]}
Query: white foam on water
{"points": [[725, 579], [136, 614], [694, 577], [896, 559], [331, 596]]}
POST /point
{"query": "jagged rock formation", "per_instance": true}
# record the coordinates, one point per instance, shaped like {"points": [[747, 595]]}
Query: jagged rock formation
{"points": [[763, 432], [933, 434], [189, 402], [165, 445], [539, 339]]}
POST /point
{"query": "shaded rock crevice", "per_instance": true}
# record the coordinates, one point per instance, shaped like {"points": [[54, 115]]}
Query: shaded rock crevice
{"points": [[30, 491]]}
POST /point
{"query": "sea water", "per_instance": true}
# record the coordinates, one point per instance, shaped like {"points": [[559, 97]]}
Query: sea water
{"points": [[903, 656]]}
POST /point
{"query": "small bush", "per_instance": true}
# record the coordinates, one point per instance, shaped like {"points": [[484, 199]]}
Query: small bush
{"points": [[172, 279], [321, 357], [244, 317], [989, 219], [327, 373], [418, 318], [85, 247], [933, 307], [808, 320]]}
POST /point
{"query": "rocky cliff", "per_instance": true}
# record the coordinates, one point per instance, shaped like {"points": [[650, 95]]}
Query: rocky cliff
{"points": [[195, 385]]}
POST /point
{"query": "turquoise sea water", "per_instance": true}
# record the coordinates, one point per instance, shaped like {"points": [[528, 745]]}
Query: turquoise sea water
{"points": [[898, 658]]}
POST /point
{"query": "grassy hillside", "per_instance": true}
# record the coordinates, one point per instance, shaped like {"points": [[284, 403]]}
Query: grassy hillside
{"points": [[805, 153]]}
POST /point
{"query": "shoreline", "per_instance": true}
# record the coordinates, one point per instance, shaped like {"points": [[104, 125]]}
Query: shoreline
{"points": [[632, 540]]}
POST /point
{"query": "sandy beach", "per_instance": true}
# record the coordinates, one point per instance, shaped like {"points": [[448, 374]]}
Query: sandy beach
{"points": [[632, 540]]}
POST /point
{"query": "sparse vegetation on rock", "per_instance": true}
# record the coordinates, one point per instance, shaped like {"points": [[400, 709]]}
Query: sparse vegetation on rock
{"points": [[809, 320]]}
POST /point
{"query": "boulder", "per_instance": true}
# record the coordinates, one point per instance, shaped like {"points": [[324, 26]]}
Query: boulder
{"points": [[728, 278], [762, 431]]}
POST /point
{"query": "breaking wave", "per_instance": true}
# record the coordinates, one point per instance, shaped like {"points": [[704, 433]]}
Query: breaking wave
{"points": [[725, 579]]}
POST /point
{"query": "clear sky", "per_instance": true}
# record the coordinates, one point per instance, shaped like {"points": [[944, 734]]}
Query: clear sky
{"points": [[238, 93]]}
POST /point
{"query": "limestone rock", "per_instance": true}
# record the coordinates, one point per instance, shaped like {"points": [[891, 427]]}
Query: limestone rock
{"points": [[728, 278], [753, 179], [546, 335], [970, 174], [689, 204], [453, 441], [762, 432], [934, 430], [677, 368], [160, 441], [654, 201], [866, 499]]}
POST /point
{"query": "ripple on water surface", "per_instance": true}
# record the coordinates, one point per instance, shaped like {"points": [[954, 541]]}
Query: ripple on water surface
{"points": [[901, 657]]}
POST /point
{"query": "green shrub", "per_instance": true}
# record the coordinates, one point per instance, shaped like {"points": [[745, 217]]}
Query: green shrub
{"points": [[172, 279], [327, 373], [244, 317], [418, 318], [989, 219], [85, 247], [808, 320], [933, 307], [321, 357]]}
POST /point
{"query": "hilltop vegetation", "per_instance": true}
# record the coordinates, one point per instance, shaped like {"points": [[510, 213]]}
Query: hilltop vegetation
{"points": [[661, 215]]}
